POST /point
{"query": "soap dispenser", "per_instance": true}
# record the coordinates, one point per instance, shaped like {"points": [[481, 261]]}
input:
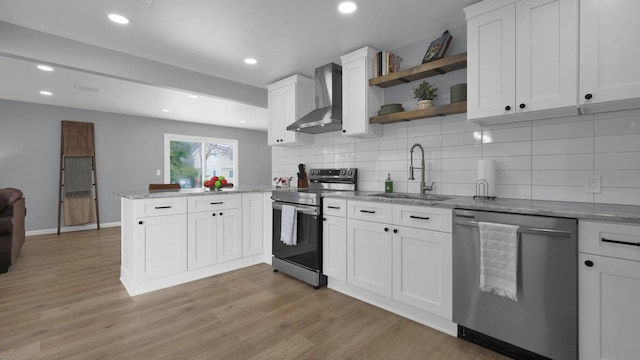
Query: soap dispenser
{"points": [[388, 184]]}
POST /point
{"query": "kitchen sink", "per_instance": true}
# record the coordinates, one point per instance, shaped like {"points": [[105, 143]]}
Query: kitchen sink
{"points": [[427, 197]]}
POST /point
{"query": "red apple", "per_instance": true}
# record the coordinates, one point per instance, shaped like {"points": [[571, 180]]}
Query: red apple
{"points": [[223, 182]]}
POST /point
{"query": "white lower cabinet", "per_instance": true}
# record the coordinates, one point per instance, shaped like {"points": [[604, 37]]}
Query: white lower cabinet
{"points": [[422, 269], [397, 256], [173, 240], [369, 257], [214, 236], [334, 247], [609, 290], [252, 224], [229, 239], [202, 239], [160, 246], [609, 316]]}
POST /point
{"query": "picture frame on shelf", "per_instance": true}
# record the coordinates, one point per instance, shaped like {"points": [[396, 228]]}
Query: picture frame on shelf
{"points": [[438, 48]]}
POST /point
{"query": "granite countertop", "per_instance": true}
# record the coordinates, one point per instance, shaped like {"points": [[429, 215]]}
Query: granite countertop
{"points": [[146, 194], [578, 210], [585, 211]]}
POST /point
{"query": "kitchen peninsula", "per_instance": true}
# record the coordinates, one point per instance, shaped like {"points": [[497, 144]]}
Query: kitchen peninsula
{"points": [[173, 237]]}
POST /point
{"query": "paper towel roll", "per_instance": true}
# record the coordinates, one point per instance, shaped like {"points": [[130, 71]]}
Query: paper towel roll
{"points": [[487, 172]]}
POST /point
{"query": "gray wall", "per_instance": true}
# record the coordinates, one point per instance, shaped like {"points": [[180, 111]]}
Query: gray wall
{"points": [[128, 151]]}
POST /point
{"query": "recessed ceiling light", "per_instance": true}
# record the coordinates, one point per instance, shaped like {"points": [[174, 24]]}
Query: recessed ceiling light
{"points": [[347, 7], [46, 93], [119, 19], [165, 110], [251, 61], [243, 121], [193, 97], [45, 68]]}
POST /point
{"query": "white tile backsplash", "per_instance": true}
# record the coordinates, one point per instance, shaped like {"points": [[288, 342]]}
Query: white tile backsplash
{"points": [[540, 160]]}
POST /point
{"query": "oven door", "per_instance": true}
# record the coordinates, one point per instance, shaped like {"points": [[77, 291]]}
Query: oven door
{"points": [[308, 250]]}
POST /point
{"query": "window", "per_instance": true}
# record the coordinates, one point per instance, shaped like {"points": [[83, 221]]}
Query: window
{"points": [[191, 160]]}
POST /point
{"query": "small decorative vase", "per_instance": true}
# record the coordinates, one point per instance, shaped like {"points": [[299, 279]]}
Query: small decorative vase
{"points": [[423, 104]]}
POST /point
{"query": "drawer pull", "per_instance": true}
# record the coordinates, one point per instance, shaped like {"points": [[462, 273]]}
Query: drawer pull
{"points": [[620, 242], [368, 211], [217, 203], [588, 263], [163, 207], [334, 207], [419, 217]]}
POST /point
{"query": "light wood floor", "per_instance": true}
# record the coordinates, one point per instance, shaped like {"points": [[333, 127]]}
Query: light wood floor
{"points": [[63, 300]]}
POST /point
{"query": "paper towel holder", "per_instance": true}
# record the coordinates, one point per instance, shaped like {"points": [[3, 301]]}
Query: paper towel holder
{"points": [[482, 190]]}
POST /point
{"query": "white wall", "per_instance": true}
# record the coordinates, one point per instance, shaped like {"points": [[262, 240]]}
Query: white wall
{"points": [[538, 160]]}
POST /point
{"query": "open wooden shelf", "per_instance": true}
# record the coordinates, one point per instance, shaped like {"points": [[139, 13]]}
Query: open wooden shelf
{"points": [[441, 110], [433, 68]]}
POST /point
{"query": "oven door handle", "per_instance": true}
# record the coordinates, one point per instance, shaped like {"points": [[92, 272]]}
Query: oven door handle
{"points": [[311, 210]]}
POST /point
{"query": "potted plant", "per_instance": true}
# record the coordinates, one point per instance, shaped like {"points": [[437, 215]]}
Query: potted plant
{"points": [[425, 93]]}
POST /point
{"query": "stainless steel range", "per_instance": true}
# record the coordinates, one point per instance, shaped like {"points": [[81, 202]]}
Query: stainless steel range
{"points": [[302, 258]]}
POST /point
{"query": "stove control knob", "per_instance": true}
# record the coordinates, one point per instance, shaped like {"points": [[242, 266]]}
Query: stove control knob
{"points": [[350, 172], [342, 172]]}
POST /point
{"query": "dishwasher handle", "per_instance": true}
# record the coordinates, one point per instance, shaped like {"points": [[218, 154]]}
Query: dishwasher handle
{"points": [[521, 229], [620, 242]]}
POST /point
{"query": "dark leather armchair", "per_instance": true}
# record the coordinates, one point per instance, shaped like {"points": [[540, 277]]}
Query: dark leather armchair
{"points": [[12, 214]]}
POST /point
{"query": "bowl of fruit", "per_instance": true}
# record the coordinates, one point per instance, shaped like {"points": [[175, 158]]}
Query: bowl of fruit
{"points": [[217, 182]]}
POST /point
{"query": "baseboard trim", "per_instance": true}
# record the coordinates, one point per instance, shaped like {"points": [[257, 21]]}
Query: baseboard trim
{"points": [[70, 229]]}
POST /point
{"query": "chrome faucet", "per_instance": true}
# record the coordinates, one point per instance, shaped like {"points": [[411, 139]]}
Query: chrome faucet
{"points": [[423, 186]]}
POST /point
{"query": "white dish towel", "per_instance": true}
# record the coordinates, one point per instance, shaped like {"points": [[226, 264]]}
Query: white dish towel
{"points": [[499, 259], [289, 225]]}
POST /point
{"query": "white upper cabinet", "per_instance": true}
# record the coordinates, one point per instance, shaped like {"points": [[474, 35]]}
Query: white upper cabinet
{"points": [[521, 60], [609, 73], [289, 99], [359, 100]]}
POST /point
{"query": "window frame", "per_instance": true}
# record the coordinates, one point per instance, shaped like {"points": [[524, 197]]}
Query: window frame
{"points": [[199, 139]]}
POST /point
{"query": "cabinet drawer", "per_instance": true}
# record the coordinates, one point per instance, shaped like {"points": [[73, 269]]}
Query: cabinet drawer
{"points": [[423, 217], [335, 207], [370, 211], [214, 202], [610, 239], [155, 207]]}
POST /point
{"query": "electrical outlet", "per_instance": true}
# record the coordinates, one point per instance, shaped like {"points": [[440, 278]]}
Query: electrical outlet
{"points": [[592, 184], [158, 173]]}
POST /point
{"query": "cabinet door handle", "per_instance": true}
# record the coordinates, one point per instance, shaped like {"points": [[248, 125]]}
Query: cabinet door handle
{"points": [[620, 242], [522, 106], [507, 108], [217, 203], [588, 263], [163, 207], [386, 229], [368, 211], [588, 96], [419, 217], [214, 214], [220, 214], [395, 231], [344, 131], [324, 219], [334, 207], [140, 222]]}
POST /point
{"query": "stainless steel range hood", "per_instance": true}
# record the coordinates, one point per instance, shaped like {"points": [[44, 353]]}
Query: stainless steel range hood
{"points": [[327, 115]]}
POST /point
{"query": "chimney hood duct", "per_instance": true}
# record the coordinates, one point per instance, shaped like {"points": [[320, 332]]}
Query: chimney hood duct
{"points": [[327, 115]]}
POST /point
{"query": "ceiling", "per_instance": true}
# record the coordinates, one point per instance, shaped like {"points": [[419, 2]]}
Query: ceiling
{"points": [[213, 38]]}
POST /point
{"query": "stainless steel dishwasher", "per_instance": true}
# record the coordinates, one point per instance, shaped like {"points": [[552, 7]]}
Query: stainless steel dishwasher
{"points": [[543, 323]]}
